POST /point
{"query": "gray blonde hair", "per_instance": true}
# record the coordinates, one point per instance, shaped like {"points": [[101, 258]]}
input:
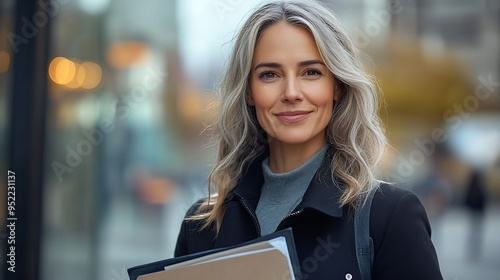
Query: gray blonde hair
{"points": [[354, 134]]}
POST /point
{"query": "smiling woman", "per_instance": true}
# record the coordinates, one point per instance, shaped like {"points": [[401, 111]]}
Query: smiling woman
{"points": [[299, 141]]}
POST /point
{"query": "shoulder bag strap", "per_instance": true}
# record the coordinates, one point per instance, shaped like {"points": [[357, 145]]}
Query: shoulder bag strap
{"points": [[364, 243]]}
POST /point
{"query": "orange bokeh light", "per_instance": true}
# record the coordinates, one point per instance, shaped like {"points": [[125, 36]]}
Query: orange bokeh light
{"points": [[62, 70], [73, 75], [126, 54], [93, 75], [4, 61]]}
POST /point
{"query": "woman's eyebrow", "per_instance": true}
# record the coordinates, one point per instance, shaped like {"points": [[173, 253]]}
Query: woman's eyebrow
{"points": [[310, 62], [299, 64], [268, 64]]}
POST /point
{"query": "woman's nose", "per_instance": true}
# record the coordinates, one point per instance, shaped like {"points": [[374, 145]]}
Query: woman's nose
{"points": [[292, 91]]}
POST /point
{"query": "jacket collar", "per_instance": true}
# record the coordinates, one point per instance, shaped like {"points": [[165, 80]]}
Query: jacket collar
{"points": [[323, 193]]}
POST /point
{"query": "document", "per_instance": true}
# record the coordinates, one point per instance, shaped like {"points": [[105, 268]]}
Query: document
{"points": [[269, 257]]}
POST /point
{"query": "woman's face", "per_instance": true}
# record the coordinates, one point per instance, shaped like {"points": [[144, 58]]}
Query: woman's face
{"points": [[291, 88]]}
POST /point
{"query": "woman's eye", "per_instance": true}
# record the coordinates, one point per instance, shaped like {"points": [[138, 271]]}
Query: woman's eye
{"points": [[312, 73], [267, 75]]}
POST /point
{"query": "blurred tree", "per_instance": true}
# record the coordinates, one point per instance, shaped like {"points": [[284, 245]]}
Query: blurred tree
{"points": [[418, 86]]}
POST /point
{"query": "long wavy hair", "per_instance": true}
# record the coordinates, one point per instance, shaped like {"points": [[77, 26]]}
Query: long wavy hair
{"points": [[354, 134]]}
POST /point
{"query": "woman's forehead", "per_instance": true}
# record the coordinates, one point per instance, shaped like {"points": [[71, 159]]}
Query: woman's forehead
{"points": [[286, 43]]}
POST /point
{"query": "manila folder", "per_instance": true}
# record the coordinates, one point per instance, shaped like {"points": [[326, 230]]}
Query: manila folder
{"points": [[267, 264]]}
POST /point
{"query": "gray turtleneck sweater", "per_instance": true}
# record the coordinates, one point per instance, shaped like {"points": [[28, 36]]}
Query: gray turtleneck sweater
{"points": [[282, 192]]}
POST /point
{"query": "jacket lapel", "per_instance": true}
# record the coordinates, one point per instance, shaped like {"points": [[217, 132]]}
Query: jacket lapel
{"points": [[238, 224], [249, 186], [324, 192]]}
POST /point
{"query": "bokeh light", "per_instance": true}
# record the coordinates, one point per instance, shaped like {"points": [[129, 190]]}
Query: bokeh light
{"points": [[74, 75], [4, 61], [126, 54], [62, 70], [93, 75], [78, 77]]}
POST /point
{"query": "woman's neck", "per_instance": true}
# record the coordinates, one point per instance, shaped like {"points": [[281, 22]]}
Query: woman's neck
{"points": [[286, 157]]}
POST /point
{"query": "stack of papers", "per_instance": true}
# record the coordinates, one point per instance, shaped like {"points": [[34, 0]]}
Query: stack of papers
{"points": [[269, 257]]}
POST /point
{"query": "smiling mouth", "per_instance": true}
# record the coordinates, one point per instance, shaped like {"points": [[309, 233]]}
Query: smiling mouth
{"points": [[292, 116]]}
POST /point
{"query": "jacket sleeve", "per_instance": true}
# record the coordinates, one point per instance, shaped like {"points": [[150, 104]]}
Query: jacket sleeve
{"points": [[182, 245], [406, 250]]}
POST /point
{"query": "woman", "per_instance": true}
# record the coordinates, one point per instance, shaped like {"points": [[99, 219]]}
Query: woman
{"points": [[299, 140]]}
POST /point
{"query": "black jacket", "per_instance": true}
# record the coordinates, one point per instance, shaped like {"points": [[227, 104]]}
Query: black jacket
{"points": [[324, 232]]}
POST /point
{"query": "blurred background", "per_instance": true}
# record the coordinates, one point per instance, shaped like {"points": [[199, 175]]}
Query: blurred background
{"points": [[103, 105]]}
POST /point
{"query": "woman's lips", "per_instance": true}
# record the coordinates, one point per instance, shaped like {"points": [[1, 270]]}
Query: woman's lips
{"points": [[292, 116]]}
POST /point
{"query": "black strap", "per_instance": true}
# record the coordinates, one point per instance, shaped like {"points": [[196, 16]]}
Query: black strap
{"points": [[364, 243]]}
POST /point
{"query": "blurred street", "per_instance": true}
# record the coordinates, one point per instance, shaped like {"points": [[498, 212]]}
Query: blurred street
{"points": [[450, 238]]}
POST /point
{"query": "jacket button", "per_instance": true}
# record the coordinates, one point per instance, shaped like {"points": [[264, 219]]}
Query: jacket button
{"points": [[348, 276]]}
